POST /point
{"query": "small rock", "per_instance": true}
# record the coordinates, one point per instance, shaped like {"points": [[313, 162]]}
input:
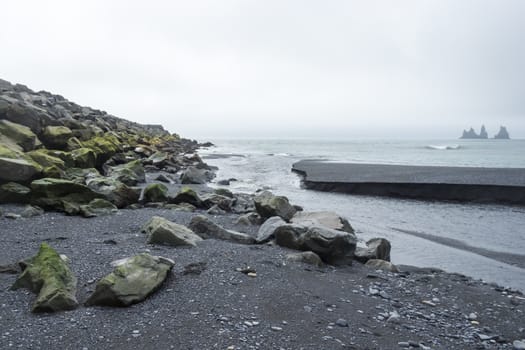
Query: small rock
{"points": [[519, 344], [342, 322], [12, 216], [472, 316]]}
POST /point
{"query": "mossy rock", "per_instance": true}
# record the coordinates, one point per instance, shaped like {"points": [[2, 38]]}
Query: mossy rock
{"points": [[187, 195], [155, 193], [224, 192], [20, 135], [98, 207], [49, 276], [8, 151], [66, 157], [13, 192], [45, 160], [84, 157], [79, 175], [73, 143], [115, 191], [132, 281], [19, 170], [130, 173], [104, 146], [60, 194], [56, 136], [54, 172]]}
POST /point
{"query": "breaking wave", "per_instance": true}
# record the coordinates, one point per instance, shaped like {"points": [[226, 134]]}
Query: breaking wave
{"points": [[444, 147]]}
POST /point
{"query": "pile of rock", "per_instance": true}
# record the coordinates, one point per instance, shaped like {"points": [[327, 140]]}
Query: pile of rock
{"points": [[60, 156]]}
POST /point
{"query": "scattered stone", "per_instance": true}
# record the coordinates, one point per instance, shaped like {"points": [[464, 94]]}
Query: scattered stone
{"points": [[132, 281], [48, 275], [378, 264], [519, 344], [342, 322], [269, 205], [207, 229], [162, 231], [305, 257], [267, 229]]}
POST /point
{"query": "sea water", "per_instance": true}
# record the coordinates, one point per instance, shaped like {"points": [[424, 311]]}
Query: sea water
{"points": [[484, 241]]}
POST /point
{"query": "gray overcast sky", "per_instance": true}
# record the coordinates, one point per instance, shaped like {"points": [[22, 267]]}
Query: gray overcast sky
{"points": [[278, 68]]}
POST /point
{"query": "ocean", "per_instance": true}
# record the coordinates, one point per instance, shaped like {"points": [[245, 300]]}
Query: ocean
{"points": [[484, 241]]}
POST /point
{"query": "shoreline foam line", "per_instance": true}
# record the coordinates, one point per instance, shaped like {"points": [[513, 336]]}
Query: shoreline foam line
{"points": [[464, 184]]}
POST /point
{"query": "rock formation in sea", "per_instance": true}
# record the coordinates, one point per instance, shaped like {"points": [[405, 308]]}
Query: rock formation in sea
{"points": [[471, 134], [502, 134]]}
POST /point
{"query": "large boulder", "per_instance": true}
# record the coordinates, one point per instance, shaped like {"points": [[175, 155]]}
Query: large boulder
{"points": [[113, 190], [376, 248], [19, 170], [26, 114], [213, 199], [97, 207], [268, 205], [56, 136], [163, 231], [322, 218], [155, 193], [267, 229], [334, 247], [61, 194], [207, 229], [13, 192], [132, 280], [194, 175], [305, 257], [49, 276], [187, 195], [130, 173], [20, 135], [46, 160], [104, 146]]}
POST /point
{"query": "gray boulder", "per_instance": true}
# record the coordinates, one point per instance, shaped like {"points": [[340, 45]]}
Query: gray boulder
{"points": [[31, 211], [132, 281], [97, 207], [18, 134], [187, 195], [334, 247], [155, 192], [267, 229], [322, 218], [206, 229], [194, 175], [163, 231], [20, 170], [13, 192], [376, 248], [130, 173], [49, 276], [269, 205]]}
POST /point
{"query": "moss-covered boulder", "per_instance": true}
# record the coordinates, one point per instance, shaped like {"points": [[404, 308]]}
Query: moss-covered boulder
{"points": [[268, 205], [45, 160], [54, 172], [21, 135], [13, 192], [66, 157], [60, 194], [73, 143], [84, 157], [155, 193], [8, 151], [98, 207], [56, 136], [132, 281], [114, 191], [130, 173], [187, 195], [165, 232], [104, 146], [49, 276], [20, 170]]}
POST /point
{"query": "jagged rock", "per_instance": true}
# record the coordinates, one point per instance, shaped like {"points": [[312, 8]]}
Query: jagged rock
{"points": [[193, 175], [471, 134], [334, 247], [18, 134], [20, 170], [56, 136], [267, 229], [269, 205], [157, 158], [114, 191], [97, 207], [163, 231], [377, 248], [49, 276], [243, 203], [31, 211], [187, 195], [502, 134], [155, 193], [130, 173], [23, 113], [225, 203], [84, 157], [207, 229], [13, 192], [305, 257], [132, 281], [322, 218], [382, 265]]}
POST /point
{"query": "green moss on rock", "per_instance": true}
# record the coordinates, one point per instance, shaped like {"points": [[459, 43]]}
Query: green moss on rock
{"points": [[20, 134], [155, 193]]}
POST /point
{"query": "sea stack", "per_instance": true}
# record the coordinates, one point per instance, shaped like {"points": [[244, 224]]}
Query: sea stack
{"points": [[503, 134], [471, 134]]}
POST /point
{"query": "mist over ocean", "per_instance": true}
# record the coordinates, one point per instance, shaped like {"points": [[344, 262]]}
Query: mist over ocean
{"points": [[479, 240]]}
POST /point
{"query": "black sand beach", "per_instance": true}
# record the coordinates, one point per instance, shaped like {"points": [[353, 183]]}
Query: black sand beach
{"points": [[421, 182]]}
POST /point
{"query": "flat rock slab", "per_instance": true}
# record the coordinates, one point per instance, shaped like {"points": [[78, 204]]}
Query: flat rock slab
{"points": [[424, 182]]}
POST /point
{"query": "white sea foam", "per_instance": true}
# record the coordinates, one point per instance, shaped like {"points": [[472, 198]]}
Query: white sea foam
{"points": [[444, 147]]}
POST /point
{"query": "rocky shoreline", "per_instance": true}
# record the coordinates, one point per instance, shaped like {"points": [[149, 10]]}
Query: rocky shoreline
{"points": [[111, 225]]}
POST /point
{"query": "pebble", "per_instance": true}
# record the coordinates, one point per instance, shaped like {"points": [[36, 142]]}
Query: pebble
{"points": [[472, 316], [342, 322], [275, 328], [519, 344]]}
